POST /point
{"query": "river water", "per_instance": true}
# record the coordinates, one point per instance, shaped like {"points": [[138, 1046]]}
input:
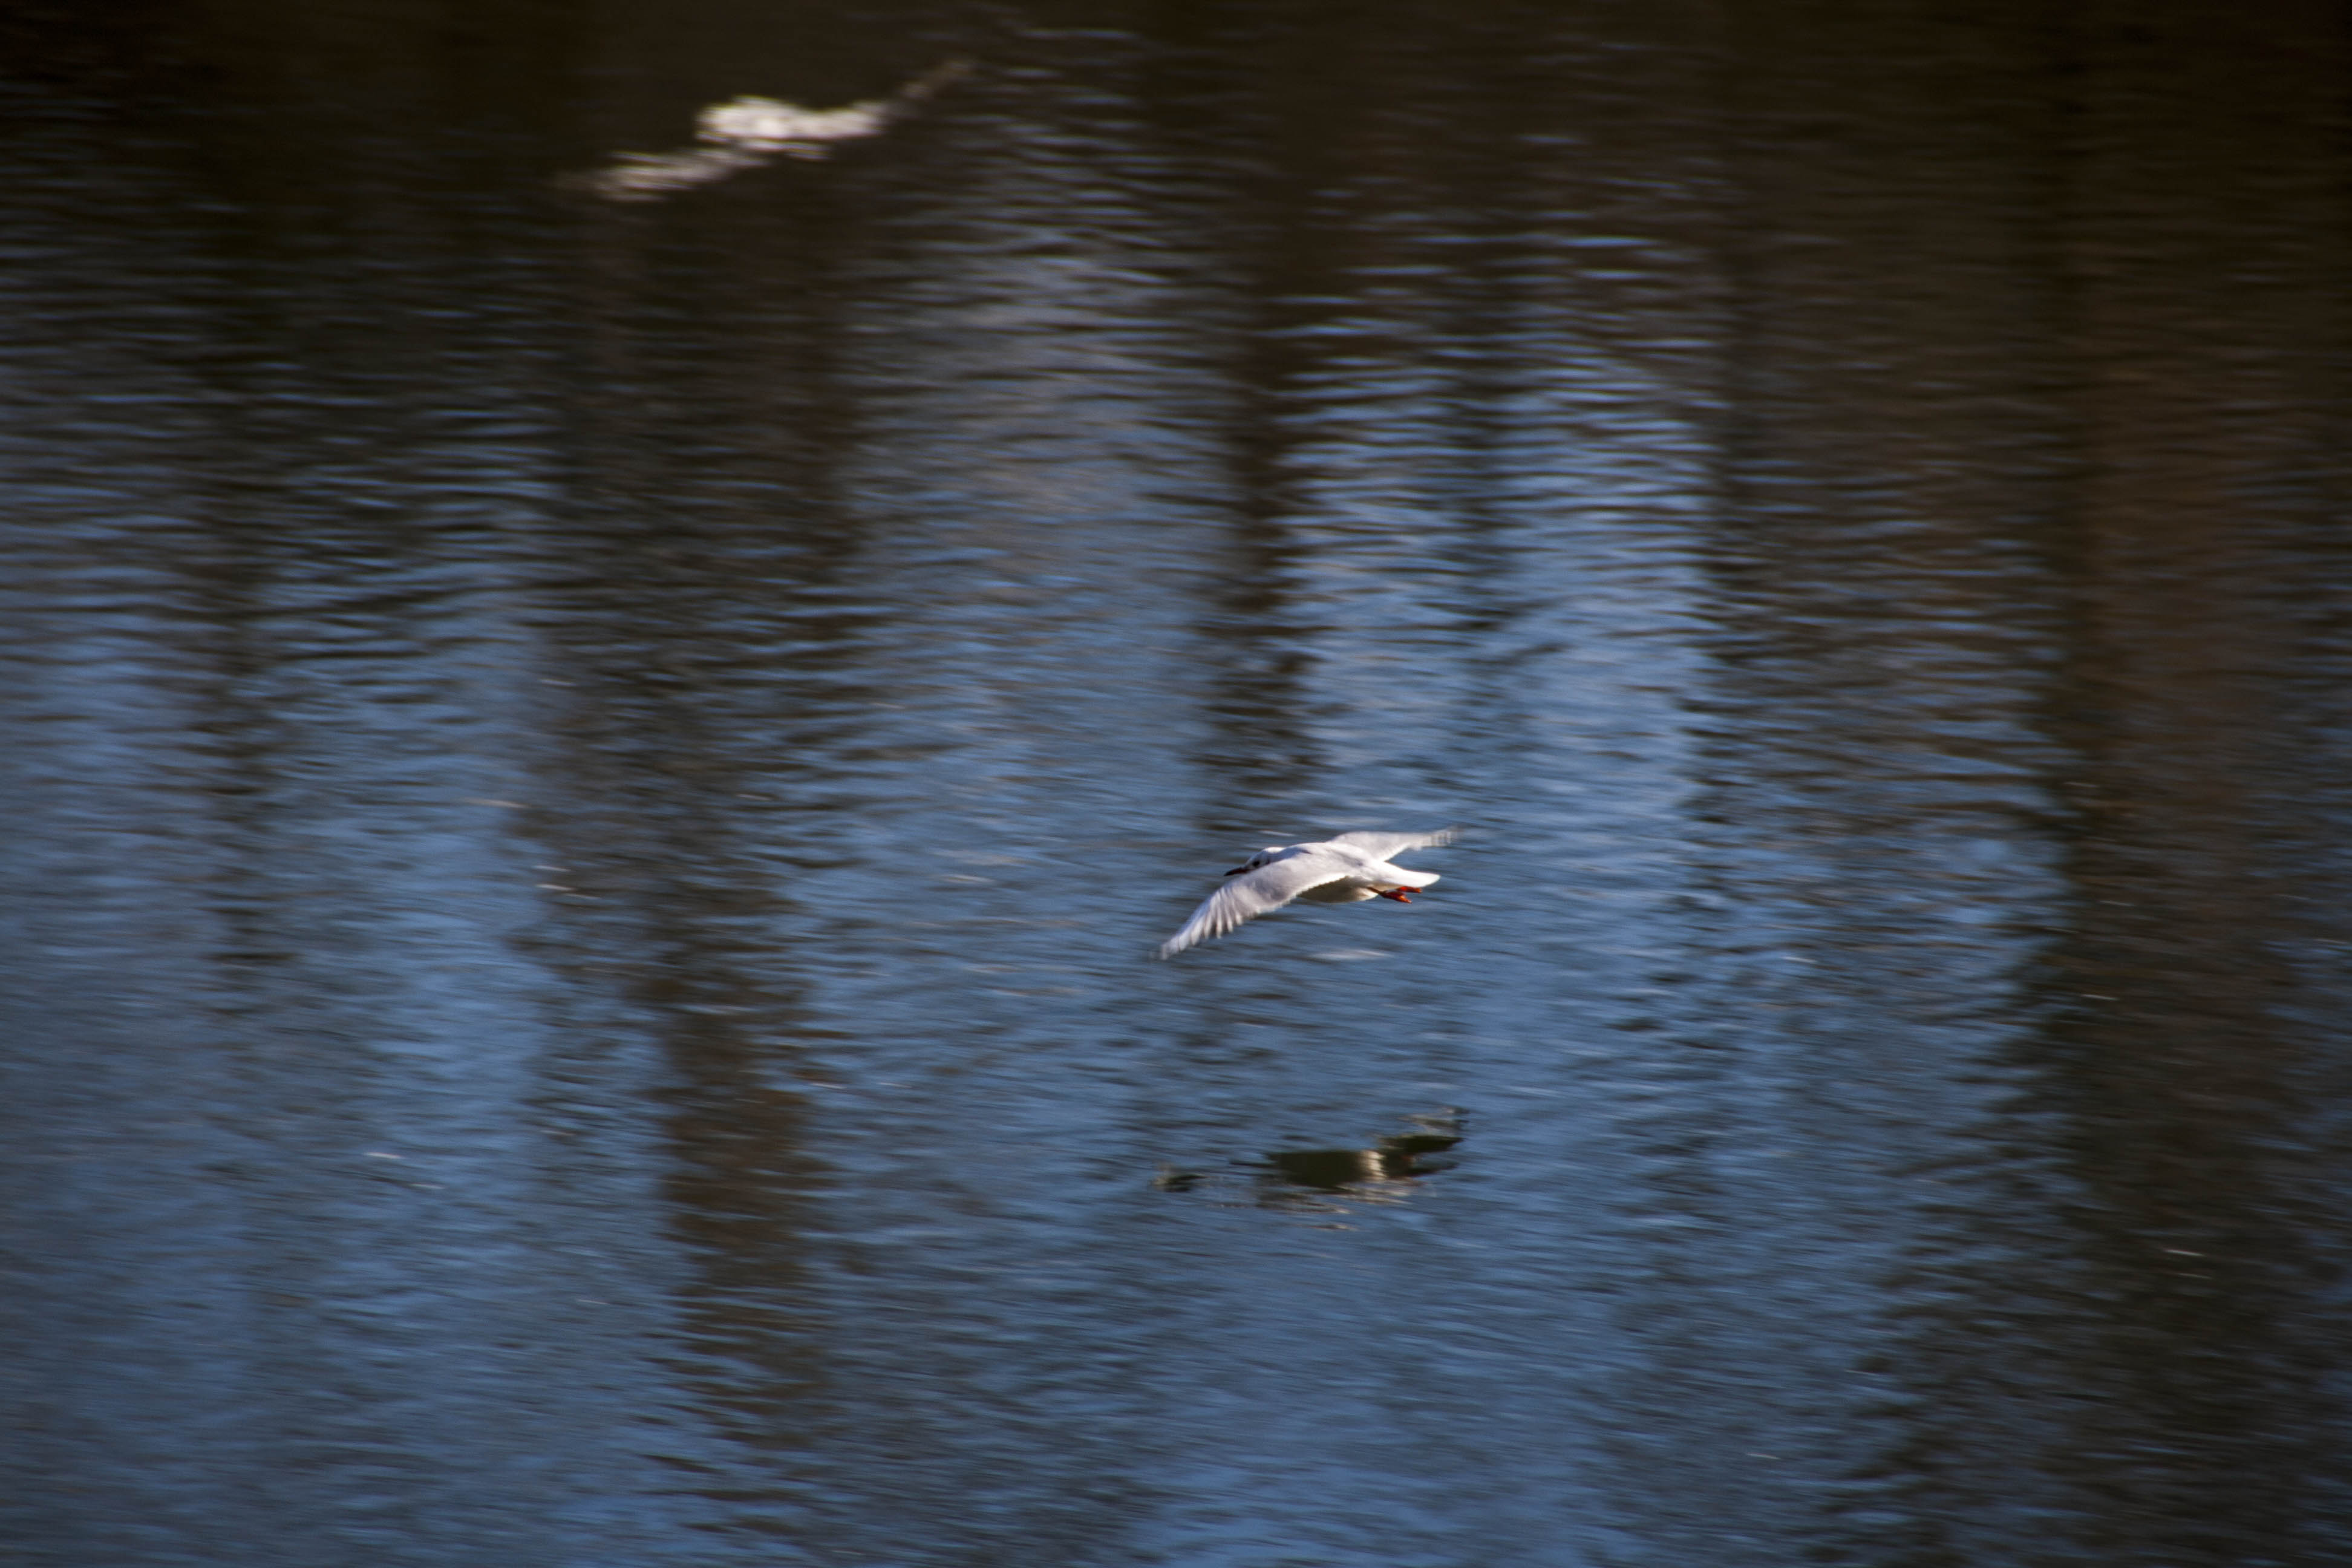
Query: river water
{"points": [[594, 752]]}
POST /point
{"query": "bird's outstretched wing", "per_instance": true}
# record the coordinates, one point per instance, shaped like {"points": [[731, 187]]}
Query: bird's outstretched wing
{"points": [[1252, 893], [1383, 845]]}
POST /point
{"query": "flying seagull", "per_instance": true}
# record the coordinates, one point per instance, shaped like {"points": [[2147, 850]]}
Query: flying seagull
{"points": [[1342, 870], [744, 132]]}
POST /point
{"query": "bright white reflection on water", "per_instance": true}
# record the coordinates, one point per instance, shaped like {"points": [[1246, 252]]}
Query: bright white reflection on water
{"points": [[593, 784]]}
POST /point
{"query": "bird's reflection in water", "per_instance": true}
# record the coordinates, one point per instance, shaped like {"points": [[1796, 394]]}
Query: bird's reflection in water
{"points": [[1386, 1172]]}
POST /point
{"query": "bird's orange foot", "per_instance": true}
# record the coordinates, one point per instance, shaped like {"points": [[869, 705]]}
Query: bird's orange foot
{"points": [[1398, 894]]}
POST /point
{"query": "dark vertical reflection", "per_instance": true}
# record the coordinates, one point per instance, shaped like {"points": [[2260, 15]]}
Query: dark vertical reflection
{"points": [[710, 666], [2089, 474], [2204, 666], [660, 917], [1218, 85]]}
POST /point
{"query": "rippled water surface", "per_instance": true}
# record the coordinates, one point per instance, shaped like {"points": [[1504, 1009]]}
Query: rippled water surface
{"points": [[594, 751]]}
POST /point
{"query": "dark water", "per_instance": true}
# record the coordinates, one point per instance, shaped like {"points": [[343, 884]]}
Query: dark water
{"points": [[588, 782]]}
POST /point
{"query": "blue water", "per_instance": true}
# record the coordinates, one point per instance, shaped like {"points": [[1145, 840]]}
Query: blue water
{"points": [[590, 784]]}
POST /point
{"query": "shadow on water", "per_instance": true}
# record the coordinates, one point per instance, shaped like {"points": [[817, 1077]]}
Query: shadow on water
{"points": [[1386, 1172]]}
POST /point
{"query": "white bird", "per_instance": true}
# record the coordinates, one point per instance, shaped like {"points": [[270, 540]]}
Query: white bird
{"points": [[744, 132], [1342, 870]]}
